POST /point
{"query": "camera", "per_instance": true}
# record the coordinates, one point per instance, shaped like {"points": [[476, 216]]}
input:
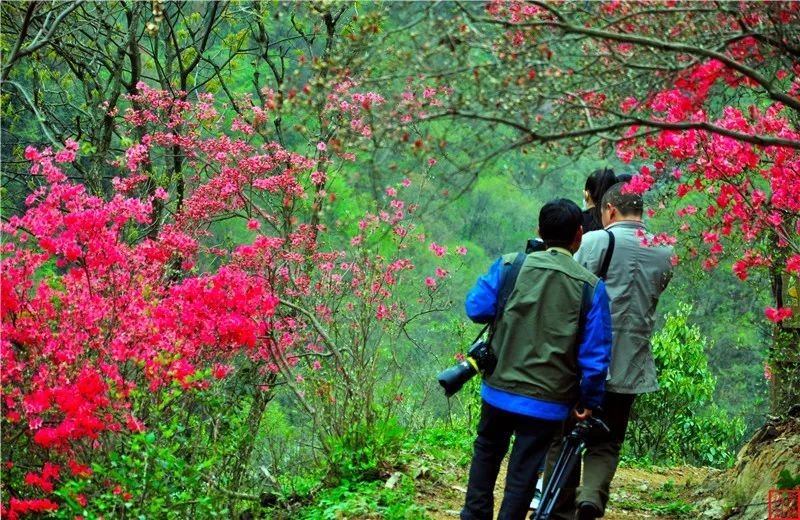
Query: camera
{"points": [[479, 358], [535, 244]]}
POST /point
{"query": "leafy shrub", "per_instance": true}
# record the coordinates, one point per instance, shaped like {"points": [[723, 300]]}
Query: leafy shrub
{"points": [[441, 442], [365, 450], [153, 480], [680, 423]]}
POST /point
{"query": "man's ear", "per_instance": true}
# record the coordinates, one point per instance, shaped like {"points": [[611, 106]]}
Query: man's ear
{"points": [[612, 212], [539, 232]]}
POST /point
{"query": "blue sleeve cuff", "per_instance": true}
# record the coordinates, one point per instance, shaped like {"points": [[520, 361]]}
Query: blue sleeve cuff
{"points": [[594, 352], [482, 299]]}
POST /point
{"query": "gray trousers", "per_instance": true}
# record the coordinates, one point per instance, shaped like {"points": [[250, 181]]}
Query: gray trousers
{"points": [[600, 459]]}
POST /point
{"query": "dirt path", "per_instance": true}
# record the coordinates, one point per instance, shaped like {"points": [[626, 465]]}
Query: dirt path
{"points": [[664, 493]]}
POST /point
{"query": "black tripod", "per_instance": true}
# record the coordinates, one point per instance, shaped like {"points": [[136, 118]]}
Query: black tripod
{"points": [[571, 450]]}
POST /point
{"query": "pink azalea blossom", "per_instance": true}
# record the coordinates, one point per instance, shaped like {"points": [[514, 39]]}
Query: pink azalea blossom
{"points": [[161, 194], [437, 249], [778, 315]]}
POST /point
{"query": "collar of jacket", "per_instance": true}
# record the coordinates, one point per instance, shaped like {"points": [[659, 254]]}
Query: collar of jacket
{"points": [[560, 250], [628, 223]]}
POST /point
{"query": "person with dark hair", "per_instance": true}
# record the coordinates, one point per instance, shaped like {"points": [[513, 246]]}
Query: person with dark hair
{"points": [[635, 275], [551, 338], [594, 189], [596, 185], [624, 177]]}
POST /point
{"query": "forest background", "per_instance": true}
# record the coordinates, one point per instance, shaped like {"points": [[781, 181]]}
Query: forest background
{"points": [[238, 235]]}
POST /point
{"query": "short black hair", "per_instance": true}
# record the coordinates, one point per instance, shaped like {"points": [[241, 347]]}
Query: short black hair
{"points": [[559, 221], [624, 177], [627, 203]]}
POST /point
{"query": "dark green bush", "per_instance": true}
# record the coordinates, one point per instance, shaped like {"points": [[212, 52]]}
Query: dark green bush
{"points": [[365, 450], [680, 423]]}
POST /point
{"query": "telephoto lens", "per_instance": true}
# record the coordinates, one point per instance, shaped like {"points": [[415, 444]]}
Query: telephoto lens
{"points": [[454, 378], [479, 358]]}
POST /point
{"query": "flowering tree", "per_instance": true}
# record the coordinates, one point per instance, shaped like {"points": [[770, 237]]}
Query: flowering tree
{"points": [[703, 98], [105, 322]]}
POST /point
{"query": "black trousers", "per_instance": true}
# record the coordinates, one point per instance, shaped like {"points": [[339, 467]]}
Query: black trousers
{"points": [[532, 438], [599, 460]]}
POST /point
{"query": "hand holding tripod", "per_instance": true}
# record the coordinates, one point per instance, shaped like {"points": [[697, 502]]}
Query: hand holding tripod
{"points": [[572, 446]]}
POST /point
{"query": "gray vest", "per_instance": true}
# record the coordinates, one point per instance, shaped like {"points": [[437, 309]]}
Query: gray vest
{"points": [[636, 278]]}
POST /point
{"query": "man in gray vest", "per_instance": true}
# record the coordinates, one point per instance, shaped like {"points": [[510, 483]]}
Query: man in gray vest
{"points": [[552, 342], [637, 274]]}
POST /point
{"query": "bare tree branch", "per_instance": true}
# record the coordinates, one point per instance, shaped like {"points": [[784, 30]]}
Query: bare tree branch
{"points": [[561, 23], [39, 41]]}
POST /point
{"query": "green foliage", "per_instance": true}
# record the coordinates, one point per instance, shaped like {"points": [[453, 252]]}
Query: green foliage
{"points": [[452, 444], [183, 464], [681, 423], [667, 490], [430, 453], [788, 481], [664, 501], [494, 203], [300, 486], [674, 508], [365, 450], [150, 479], [489, 206], [367, 499], [732, 313]]}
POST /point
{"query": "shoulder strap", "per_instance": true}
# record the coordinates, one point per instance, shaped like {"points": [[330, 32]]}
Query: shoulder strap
{"points": [[607, 258], [508, 279], [507, 283]]}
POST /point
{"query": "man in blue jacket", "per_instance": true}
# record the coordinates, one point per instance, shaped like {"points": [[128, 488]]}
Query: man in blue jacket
{"points": [[552, 344]]}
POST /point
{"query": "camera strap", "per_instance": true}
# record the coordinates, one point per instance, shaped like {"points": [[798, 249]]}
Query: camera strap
{"points": [[607, 258], [508, 279]]}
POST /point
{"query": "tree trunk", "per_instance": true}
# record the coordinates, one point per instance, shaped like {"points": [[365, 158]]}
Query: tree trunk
{"points": [[257, 409], [784, 363], [784, 354]]}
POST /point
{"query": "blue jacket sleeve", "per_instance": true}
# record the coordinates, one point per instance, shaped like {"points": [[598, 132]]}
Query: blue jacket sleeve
{"points": [[481, 301], [594, 352]]}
